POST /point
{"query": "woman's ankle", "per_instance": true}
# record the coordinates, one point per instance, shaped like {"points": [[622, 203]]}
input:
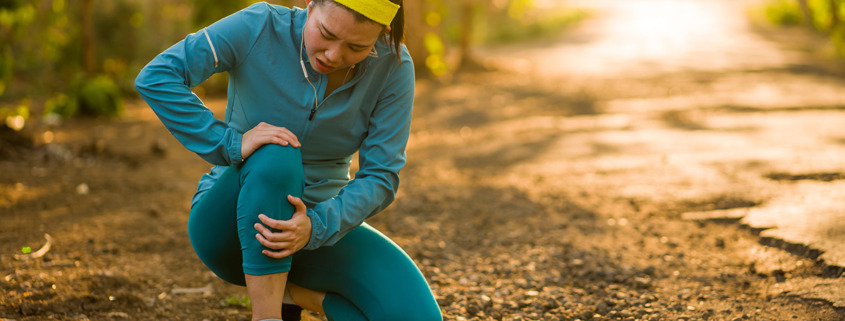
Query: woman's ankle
{"points": [[307, 298]]}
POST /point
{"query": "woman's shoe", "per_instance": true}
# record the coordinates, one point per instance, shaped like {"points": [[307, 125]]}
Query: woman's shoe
{"points": [[291, 312]]}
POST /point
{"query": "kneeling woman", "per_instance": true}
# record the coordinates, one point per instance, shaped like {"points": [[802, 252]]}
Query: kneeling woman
{"points": [[279, 213]]}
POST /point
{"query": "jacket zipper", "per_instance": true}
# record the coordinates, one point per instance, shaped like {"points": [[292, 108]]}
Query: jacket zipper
{"points": [[317, 105]]}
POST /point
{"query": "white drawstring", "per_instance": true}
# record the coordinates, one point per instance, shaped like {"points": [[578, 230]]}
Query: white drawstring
{"points": [[212, 46]]}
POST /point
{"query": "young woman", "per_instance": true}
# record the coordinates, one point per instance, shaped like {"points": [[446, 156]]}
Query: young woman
{"points": [[279, 213]]}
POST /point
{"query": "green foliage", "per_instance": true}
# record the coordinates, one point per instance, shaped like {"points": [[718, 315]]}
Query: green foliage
{"points": [[784, 12], [16, 14], [62, 105], [826, 16], [206, 12], [239, 301], [435, 61], [116, 29], [837, 35], [100, 96], [33, 35], [788, 12], [7, 62], [823, 13], [512, 21], [10, 4], [521, 28]]}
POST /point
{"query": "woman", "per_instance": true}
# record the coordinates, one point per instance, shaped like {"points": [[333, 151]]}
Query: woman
{"points": [[279, 213]]}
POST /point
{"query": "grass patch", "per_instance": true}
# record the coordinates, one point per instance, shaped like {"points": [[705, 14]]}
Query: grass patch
{"points": [[236, 301]]}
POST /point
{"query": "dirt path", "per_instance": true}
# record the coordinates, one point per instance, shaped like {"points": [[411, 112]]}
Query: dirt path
{"points": [[554, 194], [737, 96]]}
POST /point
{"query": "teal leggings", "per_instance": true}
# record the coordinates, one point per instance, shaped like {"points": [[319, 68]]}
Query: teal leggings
{"points": [[365, 275]]}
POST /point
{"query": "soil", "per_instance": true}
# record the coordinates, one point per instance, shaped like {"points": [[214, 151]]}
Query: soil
{"points": [[520, 201], [113, 195]]}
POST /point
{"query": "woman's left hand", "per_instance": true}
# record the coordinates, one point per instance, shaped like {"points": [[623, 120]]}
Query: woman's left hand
{"points": [[293, 234]]}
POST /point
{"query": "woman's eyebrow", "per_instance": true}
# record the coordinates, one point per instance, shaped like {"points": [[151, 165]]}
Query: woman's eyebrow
{"points": [[331, 34]]}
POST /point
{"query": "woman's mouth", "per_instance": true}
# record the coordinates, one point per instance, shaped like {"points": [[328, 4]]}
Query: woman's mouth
{"points": [[322, 67]]}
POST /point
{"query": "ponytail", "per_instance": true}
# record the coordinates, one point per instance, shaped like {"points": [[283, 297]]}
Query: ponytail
{"points": [[397, 28]]}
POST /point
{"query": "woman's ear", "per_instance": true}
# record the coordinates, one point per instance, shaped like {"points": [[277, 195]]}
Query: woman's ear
{"points": [[387, 30]]}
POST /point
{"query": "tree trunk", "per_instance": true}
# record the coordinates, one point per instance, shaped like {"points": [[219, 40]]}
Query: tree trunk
{"points": [[89, 57], [807, 13], [465, 40], [415, 30], [834, 14]]}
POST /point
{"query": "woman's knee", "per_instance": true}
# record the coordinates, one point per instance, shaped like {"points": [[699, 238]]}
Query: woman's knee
{"points": [[275, 166]]}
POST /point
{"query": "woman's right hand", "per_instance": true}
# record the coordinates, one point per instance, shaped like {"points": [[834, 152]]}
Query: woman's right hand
{"points": [[264, 134]]}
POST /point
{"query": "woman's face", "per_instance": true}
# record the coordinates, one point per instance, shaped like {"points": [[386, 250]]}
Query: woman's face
{"points": [[334, 40]]}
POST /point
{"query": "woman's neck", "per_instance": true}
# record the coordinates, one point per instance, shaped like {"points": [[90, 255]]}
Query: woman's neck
{"points": [[338, 78]]}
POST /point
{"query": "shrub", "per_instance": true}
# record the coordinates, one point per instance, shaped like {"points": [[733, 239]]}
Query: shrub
{"points": [[62, 105], [784, 12], [100, 96]]}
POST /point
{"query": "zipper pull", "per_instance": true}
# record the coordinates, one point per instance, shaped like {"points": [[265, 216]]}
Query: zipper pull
{"points": [[311, 116]]}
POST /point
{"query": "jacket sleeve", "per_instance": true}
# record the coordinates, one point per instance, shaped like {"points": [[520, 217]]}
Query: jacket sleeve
{"points": [[165, 83], [381, 156]]}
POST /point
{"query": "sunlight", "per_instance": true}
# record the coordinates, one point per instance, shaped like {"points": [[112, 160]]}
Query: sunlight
{"points": [[641, 37], [664, 29]]}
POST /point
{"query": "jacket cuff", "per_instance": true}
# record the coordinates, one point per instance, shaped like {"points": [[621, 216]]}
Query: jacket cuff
{"points": [[234, 149], [318, 231]]}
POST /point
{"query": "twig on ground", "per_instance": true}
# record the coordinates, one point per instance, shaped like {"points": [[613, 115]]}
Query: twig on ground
{"points": [[205, 290], [34, 255]]}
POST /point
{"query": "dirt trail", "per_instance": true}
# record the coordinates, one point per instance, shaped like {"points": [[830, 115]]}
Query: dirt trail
{"points": [[738, 99], [554, 194]]}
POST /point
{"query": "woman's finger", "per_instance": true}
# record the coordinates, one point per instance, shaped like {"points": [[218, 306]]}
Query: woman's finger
{"points": [[297, 204], [272, 245], [284, 235], [291, 137], [277, 254], [276, 224], [272, 137], [272, 132], [273, 236], [263, 134], [287, 136], [263, 230]]}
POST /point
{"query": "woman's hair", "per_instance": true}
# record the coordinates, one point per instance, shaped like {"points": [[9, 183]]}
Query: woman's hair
{"points": [[397, 26]]}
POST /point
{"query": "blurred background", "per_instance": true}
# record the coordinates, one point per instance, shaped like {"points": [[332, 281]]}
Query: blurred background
{"points": [[59, 56], [569, 159]]}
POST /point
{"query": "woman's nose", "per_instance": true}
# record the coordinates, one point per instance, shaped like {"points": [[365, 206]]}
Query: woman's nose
{"points": [[334, 55]]}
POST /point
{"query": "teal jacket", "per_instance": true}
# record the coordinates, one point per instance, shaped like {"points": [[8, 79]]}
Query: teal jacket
{"points": [[259, 48]]}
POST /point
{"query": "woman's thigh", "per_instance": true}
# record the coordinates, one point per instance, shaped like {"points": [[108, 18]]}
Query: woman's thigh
{"points": [[373, 273]]}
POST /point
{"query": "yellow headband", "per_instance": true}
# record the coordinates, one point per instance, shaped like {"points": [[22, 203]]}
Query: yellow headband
{"points": [[381, 11]]}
